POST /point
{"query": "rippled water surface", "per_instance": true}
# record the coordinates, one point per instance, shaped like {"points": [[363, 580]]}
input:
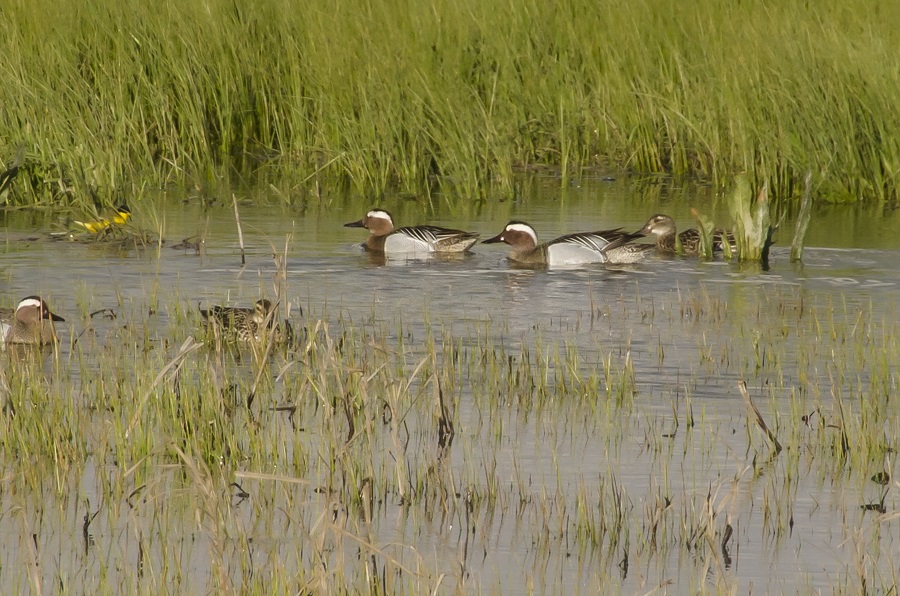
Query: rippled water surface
{"points": [[656, 477]]}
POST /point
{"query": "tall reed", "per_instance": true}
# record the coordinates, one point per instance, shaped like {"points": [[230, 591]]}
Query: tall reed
{"points": [[384, 95]]}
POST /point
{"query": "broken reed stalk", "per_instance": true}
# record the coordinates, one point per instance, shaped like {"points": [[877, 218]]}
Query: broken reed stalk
{"points": [[802, 221], [237, 219], [446, 432], [707, 230], [726, 537], [367, 499], [277, 330], [6, 404], [742, 386], [270, 336]]}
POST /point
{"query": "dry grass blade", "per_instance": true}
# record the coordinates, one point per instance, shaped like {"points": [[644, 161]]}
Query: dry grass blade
{"points": [[742, 386], [34, 572], [706, 228], [264, 359], [212, 508], [4, 391], [187, 347], [446, 431], [270, 477], [237, 220], [802, 220]]}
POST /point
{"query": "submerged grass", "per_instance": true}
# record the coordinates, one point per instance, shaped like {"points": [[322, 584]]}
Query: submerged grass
{"points": [[384, 95], [381, 457]]}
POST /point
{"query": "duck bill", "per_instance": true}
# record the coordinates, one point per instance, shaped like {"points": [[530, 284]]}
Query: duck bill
{"points": [[643, 231], [494, 240], [356, 224], [54, 317]]}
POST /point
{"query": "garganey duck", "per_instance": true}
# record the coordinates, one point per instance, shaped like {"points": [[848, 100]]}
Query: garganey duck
{"points": [[629, 253], [572, 249], [244, 324], [385, 238], [663, 227], [30, 323]]}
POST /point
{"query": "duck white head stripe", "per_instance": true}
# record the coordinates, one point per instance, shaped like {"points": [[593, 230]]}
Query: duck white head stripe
{"points": [[29, 302], [379, 214], [525, 229]]}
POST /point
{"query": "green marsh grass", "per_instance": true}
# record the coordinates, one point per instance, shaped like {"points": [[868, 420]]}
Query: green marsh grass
{"points": [[453, 95]]}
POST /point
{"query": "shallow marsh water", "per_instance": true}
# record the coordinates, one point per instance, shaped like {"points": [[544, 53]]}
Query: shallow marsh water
{"points": [[601, 441]]}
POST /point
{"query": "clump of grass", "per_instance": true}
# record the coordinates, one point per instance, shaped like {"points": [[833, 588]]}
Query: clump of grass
{"points": [[707, 229], [752, 223]]}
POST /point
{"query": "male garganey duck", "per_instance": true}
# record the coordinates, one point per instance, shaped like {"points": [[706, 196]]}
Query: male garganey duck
{"points": [[30, 323], [385, 238], [572, 249]]}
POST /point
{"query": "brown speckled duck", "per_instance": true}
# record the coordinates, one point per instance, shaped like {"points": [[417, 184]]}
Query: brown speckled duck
{"points": [[663, 227]]}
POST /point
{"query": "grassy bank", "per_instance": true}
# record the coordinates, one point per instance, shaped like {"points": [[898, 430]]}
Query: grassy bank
{"points": [[381, 94]]}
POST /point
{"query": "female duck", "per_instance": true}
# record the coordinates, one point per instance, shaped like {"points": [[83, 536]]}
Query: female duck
{"points": [[245, 324], [663, 227], [385, 238]]}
